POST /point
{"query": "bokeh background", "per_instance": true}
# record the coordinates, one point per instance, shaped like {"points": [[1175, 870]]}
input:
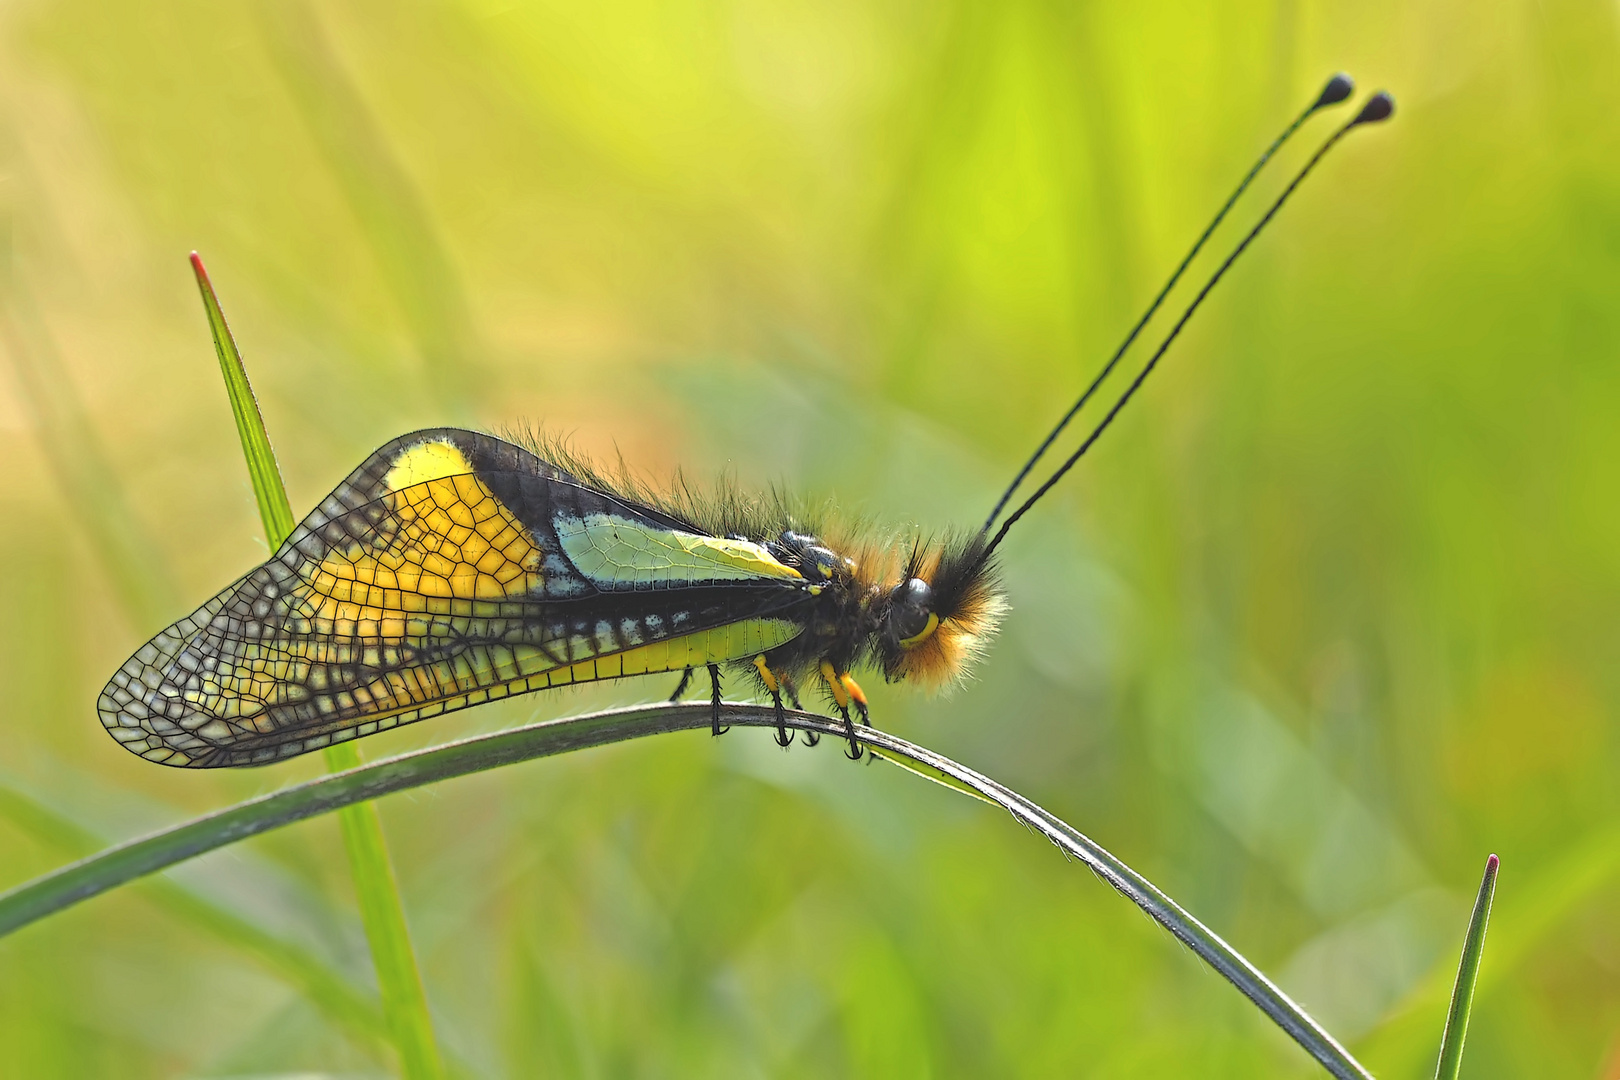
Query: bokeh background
{"points": [[1327, 617]]}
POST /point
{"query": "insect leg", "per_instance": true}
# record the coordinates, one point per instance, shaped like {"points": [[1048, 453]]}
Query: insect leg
{"points": [[686, 680], [783, 738], [791, 689], [858, 699], [854, 751], [714, 679], [841, 698], [811, 738], [855, 695]]}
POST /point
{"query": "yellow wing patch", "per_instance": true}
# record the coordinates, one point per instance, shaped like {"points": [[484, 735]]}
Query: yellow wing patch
{"points": [[446, 539], [433, 459]]}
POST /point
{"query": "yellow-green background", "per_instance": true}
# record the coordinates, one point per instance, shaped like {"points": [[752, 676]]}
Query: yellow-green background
{"points": [[1330, 615]]}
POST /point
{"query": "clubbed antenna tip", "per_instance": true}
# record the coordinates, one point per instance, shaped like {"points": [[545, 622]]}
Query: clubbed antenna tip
{"points": [[1379, 107], [1337, 89]]}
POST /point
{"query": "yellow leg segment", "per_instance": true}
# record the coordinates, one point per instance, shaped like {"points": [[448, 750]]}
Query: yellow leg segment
{"points": [[767, 676], [844, 691], [835, 684], [774, 685], [854, 691]]}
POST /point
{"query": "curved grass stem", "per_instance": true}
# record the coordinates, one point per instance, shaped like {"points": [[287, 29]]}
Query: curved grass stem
{"points": [[121, 864]]}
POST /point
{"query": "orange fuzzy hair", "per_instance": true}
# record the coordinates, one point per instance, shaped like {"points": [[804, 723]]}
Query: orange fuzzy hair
{"points": [[970, 605]]}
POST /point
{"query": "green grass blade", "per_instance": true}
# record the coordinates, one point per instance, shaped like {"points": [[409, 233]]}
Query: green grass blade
{"points": [[351, 1007], [933, 775], [118, 865], [1543, 907], [1462, 995], [140, 578], [381, 911], [404, 1001], [274, 509]]}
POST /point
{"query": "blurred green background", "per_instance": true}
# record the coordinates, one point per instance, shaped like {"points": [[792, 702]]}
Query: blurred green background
{"points": [[1329, 616]]}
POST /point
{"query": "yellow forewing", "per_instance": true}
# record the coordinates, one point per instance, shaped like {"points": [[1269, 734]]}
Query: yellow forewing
{"points": [[414, 589], [446, 538]]}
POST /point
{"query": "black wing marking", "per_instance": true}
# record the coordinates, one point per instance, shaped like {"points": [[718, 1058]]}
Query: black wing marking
{"points": [[424, 583]]}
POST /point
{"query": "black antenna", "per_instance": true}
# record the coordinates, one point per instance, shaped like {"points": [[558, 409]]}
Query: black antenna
{"points": [[1337, 89], [1378, 107]]}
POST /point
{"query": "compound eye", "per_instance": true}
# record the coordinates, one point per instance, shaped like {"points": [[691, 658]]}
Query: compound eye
{"points": [[910, 616]]}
